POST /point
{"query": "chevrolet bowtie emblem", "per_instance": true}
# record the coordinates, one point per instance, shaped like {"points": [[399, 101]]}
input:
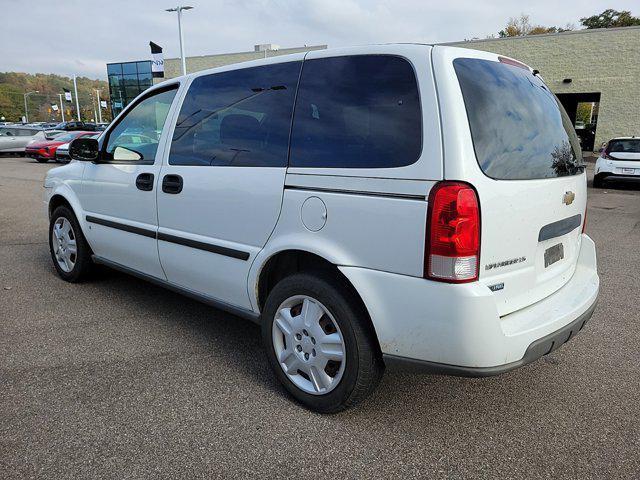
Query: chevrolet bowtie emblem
{"points": [[568, 198]]}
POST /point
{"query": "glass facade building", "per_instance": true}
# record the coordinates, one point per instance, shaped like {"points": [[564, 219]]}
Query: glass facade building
{"points": [[126, 81]]}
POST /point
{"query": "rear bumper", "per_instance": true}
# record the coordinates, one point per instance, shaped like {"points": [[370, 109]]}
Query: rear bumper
{"points": [[611, 176], [606, 168], [456, 329], [536, 350]]}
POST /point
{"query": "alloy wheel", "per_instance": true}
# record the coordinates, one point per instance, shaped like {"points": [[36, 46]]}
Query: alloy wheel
{"points": [[309, 345], [65, 248]]}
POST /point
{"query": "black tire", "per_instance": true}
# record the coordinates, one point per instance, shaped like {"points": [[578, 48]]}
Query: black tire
{"points": [[598, 181], [363, 361], [83, 264], [42, 160]]}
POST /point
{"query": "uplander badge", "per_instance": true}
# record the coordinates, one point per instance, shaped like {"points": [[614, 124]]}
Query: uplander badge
{"points": [[504, 263]]}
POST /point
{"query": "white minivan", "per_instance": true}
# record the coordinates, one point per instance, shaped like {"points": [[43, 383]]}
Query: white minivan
{"points": [[397, 204]]}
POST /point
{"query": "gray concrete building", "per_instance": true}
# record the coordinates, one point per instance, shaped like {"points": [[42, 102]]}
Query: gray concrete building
{"points": [[173, 66], [599, 67]]}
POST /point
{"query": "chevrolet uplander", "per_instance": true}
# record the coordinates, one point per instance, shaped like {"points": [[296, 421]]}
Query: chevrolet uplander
{"points": [[406, 204]]}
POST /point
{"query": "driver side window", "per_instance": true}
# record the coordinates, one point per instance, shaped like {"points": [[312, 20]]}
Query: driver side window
{"points": [[135, 138]]}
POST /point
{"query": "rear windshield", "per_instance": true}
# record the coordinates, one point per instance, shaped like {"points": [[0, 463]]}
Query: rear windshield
{"points": [[519, 129], [631, 145]]}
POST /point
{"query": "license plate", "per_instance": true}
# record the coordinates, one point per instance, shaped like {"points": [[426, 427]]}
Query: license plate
{"points": [[553, 254], [628, 170]]}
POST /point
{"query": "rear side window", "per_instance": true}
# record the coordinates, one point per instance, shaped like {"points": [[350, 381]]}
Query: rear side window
{"points": [[359, 111], [237, 118], [520, 130]]}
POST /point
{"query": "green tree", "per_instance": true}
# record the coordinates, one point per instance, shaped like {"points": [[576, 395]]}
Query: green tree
{"points": [[583, 112], [610, 18]]}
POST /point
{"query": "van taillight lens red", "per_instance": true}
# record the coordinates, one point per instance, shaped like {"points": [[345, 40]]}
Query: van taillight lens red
{"points": [[453, 233]]}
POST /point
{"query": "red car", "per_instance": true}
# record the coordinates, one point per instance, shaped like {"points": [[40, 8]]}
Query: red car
{"points": [[45, 150]]}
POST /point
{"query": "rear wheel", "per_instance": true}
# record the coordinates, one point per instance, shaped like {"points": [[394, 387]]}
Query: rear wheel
{"points": [[598, 180], [70, 251], [320, 343], [42, 160]]}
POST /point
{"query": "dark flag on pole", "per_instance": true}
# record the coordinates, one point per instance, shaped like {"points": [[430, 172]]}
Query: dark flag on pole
{"points": [[67, 94], [157, 63]]}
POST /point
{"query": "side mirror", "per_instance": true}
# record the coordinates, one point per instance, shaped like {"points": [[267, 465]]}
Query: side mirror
{"points": [[84, 149]]}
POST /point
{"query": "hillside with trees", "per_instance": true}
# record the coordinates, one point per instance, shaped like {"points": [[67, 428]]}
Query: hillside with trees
{"points": [[13, 86]]}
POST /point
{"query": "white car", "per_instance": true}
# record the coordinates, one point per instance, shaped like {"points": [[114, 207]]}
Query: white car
{"points": [[396, 204], [619, 158]]}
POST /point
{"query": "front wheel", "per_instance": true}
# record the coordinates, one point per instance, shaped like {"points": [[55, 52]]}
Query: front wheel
{"points": [[70, 251], [320, 343], [42, 160]]}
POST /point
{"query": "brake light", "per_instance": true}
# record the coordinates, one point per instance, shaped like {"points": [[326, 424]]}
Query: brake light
{"points": [[584, 222], [452, 251], [511, 61]]}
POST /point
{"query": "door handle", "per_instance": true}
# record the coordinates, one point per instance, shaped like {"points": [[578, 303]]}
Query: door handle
{"points": [[144, 182], [172, 184]]}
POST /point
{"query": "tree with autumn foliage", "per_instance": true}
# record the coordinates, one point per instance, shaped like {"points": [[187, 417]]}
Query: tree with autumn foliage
{"points": [[521, 26]]}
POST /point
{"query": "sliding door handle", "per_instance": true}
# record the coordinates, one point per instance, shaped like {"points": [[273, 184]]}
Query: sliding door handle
{"points": [[172, 184]]}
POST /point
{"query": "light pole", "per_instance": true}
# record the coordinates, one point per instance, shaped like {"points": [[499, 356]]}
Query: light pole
{"points": [[99, 106], [26, 110], [75, 87], [179, 9], [61, 106]]}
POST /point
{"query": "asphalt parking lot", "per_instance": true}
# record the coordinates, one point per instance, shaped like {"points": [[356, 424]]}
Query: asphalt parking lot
{"points": [[117, 378]]}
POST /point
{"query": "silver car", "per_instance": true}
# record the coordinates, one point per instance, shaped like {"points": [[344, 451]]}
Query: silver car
{"points": [[14, 139]]}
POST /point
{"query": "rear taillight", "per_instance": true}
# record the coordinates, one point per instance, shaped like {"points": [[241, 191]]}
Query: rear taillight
{"points": [[584, 222], [452, 251]]}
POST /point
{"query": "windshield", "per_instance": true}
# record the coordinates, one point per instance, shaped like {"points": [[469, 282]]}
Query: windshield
{"points": [[631, 145], [66, 138], [519, 129], [51, 134]]}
